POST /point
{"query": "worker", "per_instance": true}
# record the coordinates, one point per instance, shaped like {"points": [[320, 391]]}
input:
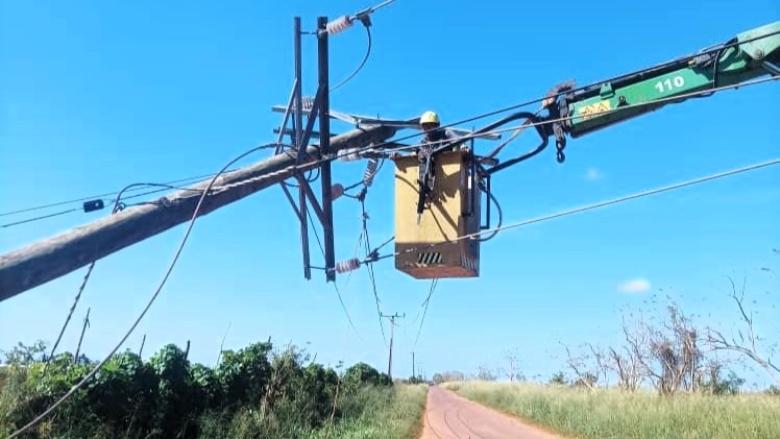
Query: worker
{"points": [[434, 136], [430, 125]]}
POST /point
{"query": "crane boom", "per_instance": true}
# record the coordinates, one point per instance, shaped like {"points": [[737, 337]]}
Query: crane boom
{"points": [[749, 55]]}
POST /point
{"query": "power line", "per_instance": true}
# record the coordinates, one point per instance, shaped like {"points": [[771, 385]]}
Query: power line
{"points": [[489, 114], [171, 183], [335, 285], [524, 125], [151, 301], [38, 218], [370, 267], [505, 109], [360, 66], [425, 304], [600, 204], [581, 88]]}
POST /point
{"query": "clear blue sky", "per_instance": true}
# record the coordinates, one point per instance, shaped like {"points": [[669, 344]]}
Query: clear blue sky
{"points": [[96, 95]]}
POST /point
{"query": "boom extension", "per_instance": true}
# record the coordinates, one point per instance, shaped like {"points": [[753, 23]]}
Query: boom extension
{"points": [[579, 111]]}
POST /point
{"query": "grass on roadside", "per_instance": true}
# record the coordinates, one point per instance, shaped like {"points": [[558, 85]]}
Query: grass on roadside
{"points": [[385, 413], [610, 413]]}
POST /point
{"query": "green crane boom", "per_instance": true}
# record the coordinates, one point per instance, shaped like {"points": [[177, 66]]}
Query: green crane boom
{"points": [[749, 55]]}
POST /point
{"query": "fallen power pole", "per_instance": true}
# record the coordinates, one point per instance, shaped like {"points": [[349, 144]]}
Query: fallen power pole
{"points": [[40, 262]]}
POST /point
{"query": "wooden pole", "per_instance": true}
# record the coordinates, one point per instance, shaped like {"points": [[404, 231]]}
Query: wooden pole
{"points": [[51, 258]]}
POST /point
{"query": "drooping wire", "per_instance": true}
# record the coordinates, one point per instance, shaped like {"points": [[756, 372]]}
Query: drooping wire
{"points": [[149, 303], [370, 266], [360, 66], [335, 285], [425, 304], [118, 205], [70, 313]]}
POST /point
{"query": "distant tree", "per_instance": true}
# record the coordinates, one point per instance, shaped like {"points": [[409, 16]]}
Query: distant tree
{"points": [[558, 378], [584, 374], [512, 358], [24, 355], [746, 342], [718, 385], [485, 374], [361, 374]]}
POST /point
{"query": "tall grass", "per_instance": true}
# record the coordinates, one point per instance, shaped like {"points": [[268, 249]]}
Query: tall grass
{"points": [[611, 413], [384, 413]]}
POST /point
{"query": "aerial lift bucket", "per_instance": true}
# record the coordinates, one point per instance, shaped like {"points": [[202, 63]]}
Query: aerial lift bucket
{"points": [[436, 248]]}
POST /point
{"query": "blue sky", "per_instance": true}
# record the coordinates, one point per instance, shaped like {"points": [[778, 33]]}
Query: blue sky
{"points": [[96, 95]]}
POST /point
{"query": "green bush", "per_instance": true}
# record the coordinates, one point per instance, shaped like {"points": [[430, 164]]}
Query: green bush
{"points": [[252, 393]]}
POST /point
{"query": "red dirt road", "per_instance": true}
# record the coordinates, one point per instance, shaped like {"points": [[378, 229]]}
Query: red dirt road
{"points": [[449, 416]]}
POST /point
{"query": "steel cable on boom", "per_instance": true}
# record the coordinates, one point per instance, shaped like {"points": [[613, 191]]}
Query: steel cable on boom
{"points": [[572, 117], [574, 90], [149, 303]]}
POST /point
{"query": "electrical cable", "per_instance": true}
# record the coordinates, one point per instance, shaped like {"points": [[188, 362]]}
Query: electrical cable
{"points": [[38, 218], [70, 314], [370, 267], [426, 303], [716, 48], [151, 300], [598, 205], [498, 209], [107, 194], [335, 285], [575, 117], [360, 66], [575, 90], [116, 208]]}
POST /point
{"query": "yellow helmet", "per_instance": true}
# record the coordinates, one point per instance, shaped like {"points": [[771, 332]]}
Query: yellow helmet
{"points": [[429, 117]]}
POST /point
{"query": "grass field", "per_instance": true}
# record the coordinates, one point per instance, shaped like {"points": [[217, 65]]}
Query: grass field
{"points": [[613, 414], [391, 413]]}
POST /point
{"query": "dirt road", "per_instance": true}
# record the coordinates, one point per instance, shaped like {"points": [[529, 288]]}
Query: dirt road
{"points": [[447, 416]]}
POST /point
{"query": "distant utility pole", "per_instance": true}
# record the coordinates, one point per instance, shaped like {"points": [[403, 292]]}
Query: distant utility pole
{"points": [[392, 319], [81, 338], [413, 375]]}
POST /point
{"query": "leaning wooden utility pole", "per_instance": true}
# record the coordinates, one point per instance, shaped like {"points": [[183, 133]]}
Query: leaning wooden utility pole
{"points": [[51, 258]]}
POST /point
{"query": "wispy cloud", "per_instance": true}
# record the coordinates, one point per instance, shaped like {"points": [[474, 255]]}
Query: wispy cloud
{"points": [[593, 174], [634, 286]]}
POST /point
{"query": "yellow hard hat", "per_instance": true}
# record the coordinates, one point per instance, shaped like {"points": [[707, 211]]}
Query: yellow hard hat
{"points": [[429, 117]]}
